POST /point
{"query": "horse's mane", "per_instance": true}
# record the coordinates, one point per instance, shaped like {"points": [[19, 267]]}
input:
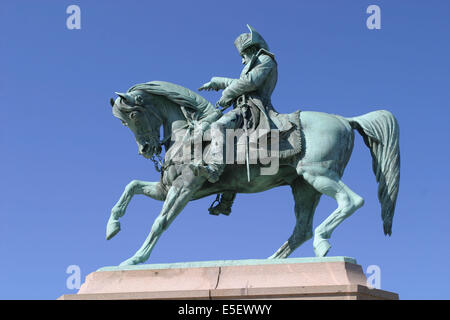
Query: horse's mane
{"points": [[181, 96]]}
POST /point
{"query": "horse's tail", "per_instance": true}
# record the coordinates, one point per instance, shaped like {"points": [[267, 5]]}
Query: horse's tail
{"points": [[380, 132]]}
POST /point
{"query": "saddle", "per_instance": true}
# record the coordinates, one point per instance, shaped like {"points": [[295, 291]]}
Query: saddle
{"points": [[269, 125], [261, 143], [261, 131]]}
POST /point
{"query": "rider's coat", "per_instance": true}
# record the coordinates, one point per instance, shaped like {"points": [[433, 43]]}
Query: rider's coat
{"points": [[257, 82]]}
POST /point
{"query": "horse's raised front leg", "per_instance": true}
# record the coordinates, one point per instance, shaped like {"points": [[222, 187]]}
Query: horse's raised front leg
{"points": [[179, 194], [151, 189]]}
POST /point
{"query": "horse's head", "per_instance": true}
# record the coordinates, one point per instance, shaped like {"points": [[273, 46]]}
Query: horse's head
{"points": [[133, 109]]}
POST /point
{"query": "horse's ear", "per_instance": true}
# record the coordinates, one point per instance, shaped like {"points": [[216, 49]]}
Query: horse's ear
{"points": [[111, 101], [122, 95]]}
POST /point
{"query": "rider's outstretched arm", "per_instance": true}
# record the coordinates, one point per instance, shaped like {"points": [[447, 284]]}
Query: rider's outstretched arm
{"points": [[217, 83], [222, 82]]}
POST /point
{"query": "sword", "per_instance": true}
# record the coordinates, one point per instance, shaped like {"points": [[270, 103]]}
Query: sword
{"points": [[243, 107]]}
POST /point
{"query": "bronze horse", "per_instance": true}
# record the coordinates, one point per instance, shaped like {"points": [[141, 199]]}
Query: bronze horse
{"points": [[327, 146]]}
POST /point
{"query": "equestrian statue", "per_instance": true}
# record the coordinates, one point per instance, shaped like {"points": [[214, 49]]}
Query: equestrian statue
{"points": [[311, 150]]}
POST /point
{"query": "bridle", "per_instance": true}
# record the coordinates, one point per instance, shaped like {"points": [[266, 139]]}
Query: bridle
{"points": [[151, 134], [156, 158]]}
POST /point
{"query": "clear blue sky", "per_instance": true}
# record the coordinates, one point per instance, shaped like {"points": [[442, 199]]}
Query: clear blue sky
{"points": [[65, 159]]}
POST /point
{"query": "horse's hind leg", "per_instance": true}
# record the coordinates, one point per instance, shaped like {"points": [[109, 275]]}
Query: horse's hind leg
{"points": [[151, 189], [306, 200], [328, 182]]}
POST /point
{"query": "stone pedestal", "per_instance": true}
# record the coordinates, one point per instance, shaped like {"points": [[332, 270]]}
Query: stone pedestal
{"points": [[298, 278]]}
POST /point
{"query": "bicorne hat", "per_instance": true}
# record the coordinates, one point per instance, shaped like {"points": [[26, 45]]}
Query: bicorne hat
{"points": [[247, 40]]}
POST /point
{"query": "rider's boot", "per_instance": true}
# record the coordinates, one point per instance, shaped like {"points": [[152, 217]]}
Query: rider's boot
{"points": [[224, 205]]}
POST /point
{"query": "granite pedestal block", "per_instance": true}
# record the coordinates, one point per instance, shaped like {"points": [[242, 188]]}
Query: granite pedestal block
{"points": [[297, 278]]}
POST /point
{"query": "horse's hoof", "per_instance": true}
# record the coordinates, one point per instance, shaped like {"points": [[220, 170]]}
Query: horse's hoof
{"points": [[129, 262], [321, 247], [112, 228]]}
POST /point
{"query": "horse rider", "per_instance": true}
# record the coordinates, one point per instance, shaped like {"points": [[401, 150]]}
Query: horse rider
{"points": [[253, 90]]}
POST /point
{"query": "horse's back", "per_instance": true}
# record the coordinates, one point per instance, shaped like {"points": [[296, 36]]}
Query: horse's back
{"points": [[327, 137]]}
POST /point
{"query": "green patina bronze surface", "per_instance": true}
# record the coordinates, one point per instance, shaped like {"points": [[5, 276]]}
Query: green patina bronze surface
{"points": [[321, 148], [227, 263]]}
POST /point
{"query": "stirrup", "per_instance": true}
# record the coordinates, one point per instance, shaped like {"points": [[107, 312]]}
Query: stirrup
{"points": [[220, 203], [211, 207]]}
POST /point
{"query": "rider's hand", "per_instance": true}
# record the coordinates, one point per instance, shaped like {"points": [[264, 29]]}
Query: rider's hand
{"points": [[209, 86], [225, 102]]}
